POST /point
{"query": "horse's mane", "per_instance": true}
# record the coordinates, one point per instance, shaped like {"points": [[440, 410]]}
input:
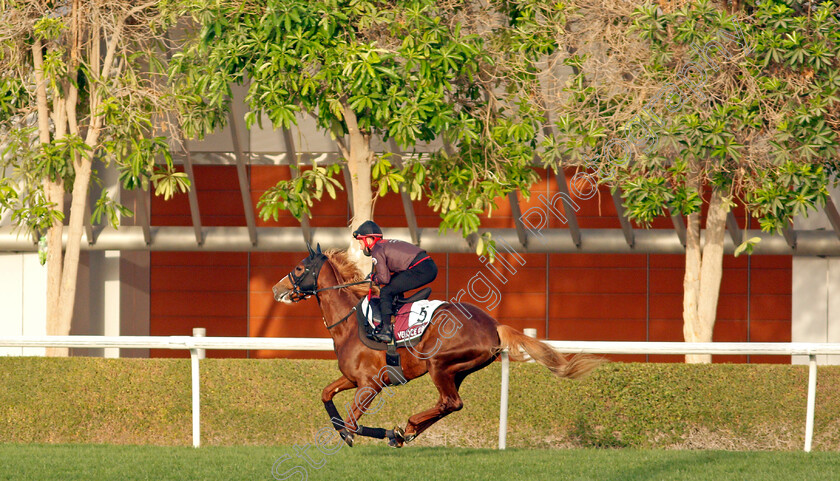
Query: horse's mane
{"points": [[348, 271]]}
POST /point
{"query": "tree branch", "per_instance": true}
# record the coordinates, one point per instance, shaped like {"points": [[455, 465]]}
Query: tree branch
{"points": [[115, 38], [73, 69], [342, 147], [41, 92]]}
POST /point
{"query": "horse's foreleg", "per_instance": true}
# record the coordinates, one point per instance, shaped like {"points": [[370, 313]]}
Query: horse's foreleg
{"points": [[327, 395], [362, 401], [361, 405]]}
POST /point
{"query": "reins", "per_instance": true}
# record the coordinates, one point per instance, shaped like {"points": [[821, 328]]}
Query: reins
{"points": [[341, 320], [314, 292], [303, 294], [341, 287]]}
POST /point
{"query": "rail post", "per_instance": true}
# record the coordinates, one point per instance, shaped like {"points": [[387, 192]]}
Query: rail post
{"points": [[200, 332], [196, 403], [503, 401], [812, 398]]}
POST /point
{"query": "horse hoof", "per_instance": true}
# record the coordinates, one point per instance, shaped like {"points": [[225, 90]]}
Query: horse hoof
{"points": [[395, 437], [406, 438], [346, 436]]}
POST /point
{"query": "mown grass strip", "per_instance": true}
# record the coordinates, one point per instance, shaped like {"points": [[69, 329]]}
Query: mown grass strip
{"points": [[95, 463]]}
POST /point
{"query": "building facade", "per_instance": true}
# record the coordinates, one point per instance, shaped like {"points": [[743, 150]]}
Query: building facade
{"points": [[617, 296]]}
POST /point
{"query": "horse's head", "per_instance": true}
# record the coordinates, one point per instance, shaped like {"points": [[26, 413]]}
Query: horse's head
{"points": [[302, 282]]}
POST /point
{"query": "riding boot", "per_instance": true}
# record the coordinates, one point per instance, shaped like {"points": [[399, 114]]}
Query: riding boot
{"points": [[385, 330]]}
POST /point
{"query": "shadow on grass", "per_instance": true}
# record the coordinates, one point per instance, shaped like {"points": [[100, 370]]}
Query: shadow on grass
{"points": [[686, 464]]}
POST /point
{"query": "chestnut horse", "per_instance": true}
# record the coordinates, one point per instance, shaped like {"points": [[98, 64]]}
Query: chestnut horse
{"points": [[337, 284]]}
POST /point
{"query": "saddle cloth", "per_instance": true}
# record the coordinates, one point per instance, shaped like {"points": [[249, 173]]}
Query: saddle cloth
{"points": [[410, 321]]}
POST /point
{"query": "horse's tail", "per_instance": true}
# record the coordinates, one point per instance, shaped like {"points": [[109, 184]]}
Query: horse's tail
{"points": [[578, 366]]}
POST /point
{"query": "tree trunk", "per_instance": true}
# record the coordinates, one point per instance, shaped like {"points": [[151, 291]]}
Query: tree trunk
{"points": [[703, 275], [54, 194], [691, 283], [63, 268], [82, 167], [359, 162], [67, 296], [55, 263]]}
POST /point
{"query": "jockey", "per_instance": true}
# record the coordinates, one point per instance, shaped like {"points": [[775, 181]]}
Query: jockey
{"points": [[398, 266]]}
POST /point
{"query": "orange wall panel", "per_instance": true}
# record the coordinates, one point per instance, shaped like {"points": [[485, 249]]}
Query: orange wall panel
{"points": [[666, 330], [771, 281], [521, 306], [211, 278], [263, 305], [198, 289], [596, 306], [770, 308], [183, 326], [669, 261], [523, 281], [666, 306], [735, 282], [597, 281], [599, 260], [216, 177], [327, 212], [213, 259], [601, 330], [772, 262], [666, 281]]}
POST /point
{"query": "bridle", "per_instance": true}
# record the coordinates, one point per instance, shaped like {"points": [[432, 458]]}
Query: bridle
{"points": [[310, 275], [301, 291]]}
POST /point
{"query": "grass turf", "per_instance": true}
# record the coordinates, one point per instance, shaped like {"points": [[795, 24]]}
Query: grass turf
{"points": [[22, 462], [277, 402]]}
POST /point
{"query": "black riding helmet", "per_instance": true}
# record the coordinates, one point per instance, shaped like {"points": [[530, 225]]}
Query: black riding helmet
{"points": [[370, 233], [367, 228]]}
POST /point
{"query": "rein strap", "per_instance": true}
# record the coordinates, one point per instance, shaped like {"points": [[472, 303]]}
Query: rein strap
{"points": [[341, 286], [342, 319]]}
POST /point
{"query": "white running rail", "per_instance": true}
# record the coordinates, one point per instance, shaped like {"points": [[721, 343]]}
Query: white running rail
{"points": [[195, 344]]}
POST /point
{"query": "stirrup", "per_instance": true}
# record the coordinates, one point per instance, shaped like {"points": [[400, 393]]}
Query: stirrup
{"points": [[383, 337], [381, 334]]}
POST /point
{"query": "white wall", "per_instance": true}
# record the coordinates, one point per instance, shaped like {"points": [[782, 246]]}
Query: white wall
{"points": [[112, 290], [23, 296], [96, 311], [112, 299], [815, 312]]}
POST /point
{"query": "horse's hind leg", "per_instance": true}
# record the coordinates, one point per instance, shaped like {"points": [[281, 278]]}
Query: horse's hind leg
{"points": [[448, 402], [447, 378]]}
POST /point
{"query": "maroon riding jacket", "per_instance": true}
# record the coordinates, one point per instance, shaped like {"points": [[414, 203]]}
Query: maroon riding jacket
{"points": [[392, 256]]}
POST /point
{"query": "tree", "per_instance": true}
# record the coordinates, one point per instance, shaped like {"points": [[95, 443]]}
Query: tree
{"points": [[410, 71], [79, 80], [670, 105]]}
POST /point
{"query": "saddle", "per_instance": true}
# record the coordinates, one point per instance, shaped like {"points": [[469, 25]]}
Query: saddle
{"points": [[365, 329], [403, 307], [399, 301]]}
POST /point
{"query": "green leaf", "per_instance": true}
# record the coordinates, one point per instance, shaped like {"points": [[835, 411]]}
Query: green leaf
{"points": [[747, 246]]}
